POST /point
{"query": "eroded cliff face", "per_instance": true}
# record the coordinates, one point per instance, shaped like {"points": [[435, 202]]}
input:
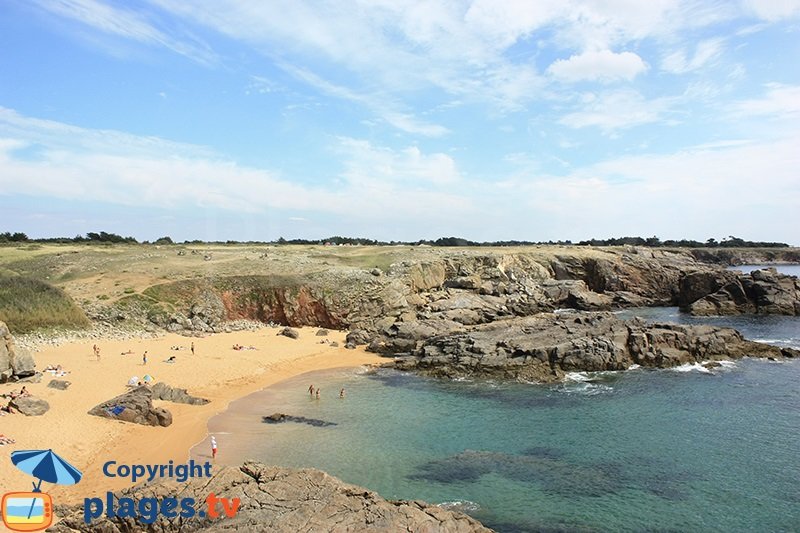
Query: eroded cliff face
{"points": [[468, 287]]}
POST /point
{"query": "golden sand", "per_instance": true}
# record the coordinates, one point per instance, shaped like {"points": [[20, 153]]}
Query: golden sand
{"points": [[216, 371]]}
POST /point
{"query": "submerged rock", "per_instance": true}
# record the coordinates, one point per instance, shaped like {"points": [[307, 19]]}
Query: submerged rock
{"points": [[277, 418]]}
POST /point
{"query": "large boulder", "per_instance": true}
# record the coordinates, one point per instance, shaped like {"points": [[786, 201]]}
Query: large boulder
{"points": [[273, 498], [22, 363], [135, 406], [30, 405], [289, 332], [762, 292], [16, 362], [60, 384]]}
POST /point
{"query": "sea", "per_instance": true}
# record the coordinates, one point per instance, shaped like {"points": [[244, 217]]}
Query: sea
{"points": [[683, 449]]}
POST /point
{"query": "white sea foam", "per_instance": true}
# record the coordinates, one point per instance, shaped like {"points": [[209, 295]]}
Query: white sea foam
{"points": [[692, 367], [634, 367], [465, 506], [727, 364], [585, 389], [577, 377]]}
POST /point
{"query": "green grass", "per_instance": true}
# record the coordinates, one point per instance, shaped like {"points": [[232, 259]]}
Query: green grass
{"points": [[28, 304]]}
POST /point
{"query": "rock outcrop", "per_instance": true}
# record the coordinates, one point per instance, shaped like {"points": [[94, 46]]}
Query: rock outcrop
{"points": [[290, 332], [16, 362], [731, 293], [29, 405], [273, 498], [544, 347], [135, 406], [162, 391]]}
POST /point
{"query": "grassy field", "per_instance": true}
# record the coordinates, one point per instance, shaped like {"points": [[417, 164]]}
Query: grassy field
{"points": [[28, 304]]}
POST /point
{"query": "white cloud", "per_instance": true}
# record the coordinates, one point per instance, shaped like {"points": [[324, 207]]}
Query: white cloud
{"points": [[734, 187], [368, 164], [617, 110], [773, 10], [378, 104], [119, 21], [601, 65], [705, 52], [780, 102], [101, 166]]}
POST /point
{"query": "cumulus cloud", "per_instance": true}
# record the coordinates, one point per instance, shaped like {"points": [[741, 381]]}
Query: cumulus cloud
{"points": [[601, 65]]}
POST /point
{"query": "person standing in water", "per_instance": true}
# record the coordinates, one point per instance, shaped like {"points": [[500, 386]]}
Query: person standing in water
{"points": [[341, 393], [311, 390], [318, 393]]}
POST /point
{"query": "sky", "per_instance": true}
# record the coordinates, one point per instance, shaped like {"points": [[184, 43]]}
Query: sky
{"points": [[401, 120]]}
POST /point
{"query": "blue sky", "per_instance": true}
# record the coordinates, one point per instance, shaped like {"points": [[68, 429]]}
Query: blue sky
{"points": [[536, 120]]}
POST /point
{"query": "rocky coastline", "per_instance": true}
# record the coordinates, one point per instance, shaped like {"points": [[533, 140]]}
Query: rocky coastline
{"points": [[436, 302]]}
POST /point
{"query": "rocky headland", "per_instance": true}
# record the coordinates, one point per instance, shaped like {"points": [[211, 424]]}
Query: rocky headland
{"points": [[544, 347]]}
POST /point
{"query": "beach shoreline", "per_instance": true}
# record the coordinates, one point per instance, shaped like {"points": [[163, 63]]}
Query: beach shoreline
{"points": [[216, 371]]}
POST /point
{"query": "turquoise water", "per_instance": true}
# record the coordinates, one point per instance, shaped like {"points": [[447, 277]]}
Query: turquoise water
{"points": [[667, 450]]}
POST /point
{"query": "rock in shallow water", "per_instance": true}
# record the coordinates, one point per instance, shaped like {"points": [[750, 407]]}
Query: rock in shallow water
{"points": [[546, 346]]}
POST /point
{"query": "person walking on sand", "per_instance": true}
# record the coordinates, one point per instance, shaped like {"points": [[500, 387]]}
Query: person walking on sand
{"points": [[97, 352], [192, 348], [144, 358], [213, 447], [311, 390]]}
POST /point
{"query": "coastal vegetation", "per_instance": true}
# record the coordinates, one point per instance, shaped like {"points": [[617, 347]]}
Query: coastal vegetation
{"points": [[27, 304], [103, 237]]}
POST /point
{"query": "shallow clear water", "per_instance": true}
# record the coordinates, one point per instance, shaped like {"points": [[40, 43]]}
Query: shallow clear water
{"points": [[668, 450]]}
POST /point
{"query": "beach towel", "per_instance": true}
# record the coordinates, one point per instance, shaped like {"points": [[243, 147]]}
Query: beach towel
{"points": [[116, 410]]}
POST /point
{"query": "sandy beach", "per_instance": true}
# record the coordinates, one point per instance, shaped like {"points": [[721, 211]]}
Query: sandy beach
{"points": [[216, 371]]}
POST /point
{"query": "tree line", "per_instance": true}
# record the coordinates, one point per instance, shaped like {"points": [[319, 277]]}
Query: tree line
{"points": [[652, 242]]}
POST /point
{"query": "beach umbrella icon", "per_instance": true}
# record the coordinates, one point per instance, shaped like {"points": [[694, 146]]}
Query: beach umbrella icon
{"points": [[45, 465], [147, 378]]}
